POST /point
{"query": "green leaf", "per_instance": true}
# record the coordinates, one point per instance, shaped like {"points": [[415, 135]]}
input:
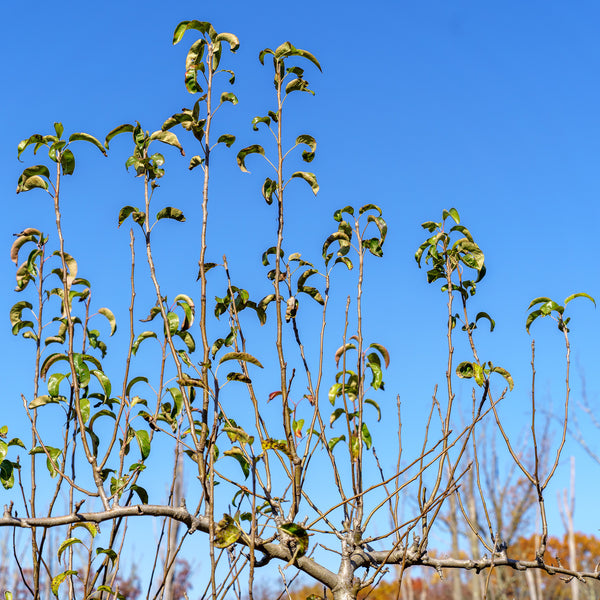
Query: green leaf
{"points": [[202, 26], [383, 351], [91, 527], [125, 212], [36, 139], [133, 382], [307, 55], [451, 213], [49, 361], [186, 380], [237, 434], [31, 182], [103, 380], [241, 356], [67, 544], [141, 492], [54, 382], [309, 140], [67, 162], [244, 152], [82, 371], [338, 236], [376, 406], [269, 252], [125, 128], [374, 363], [256, 120], [227, 532], [86, 137], [366, 436], [335, 415], [226, 139], [241, 377], [342, 350], [229, 97], [298, 85], [170, 213], [506, 375], [173, 322], [269, 188], [188, 340], [550, 306], [334, 441], [53, 459], [140, 338], [300, 536], [110, 553], [279, 445], [579, 295], [231, 39], [484, 315], [71, 264], [334, 392], [313, 293], [27, 235], [263, 53], [242, 460], [43, 400], [58, 579], [16, 314], [310, 178], [195, 161], [143, 440], [465, 370], [167, 137], [373, 246], [111, 319], [7, 474]]}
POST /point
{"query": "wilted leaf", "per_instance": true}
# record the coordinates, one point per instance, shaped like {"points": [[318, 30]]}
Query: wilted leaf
{"points": [[226, 532]]}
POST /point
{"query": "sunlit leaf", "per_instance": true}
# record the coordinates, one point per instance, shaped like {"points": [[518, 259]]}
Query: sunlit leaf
{"points": [[241, 356], [465, 370], [58, 579], [310, 178], [579, 295], [143, 440], [238, 454], [111, 318], [506, 375], [67, 544], [86, 137], [167, 137], [140, 338], [125, 128], [170, 213], [227, 532], [229, 97], [244, 152]]}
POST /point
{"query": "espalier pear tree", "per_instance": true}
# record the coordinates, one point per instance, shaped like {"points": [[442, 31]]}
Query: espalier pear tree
{"points": [[254, 468]]}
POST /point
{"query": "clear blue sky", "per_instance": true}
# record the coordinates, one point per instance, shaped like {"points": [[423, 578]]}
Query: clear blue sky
{"points": [[488, 107]]}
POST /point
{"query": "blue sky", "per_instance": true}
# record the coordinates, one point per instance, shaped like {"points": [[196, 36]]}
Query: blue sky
{"points": [[488, 107]]}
